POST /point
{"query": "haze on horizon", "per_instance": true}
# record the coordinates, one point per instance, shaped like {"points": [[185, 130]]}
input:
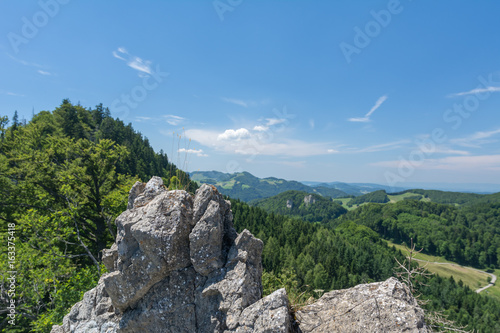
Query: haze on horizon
{"points": [[389, 92]]}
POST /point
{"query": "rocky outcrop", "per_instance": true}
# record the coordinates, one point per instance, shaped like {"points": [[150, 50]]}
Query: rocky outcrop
{"points": [[376, 308], [178, 266], [309, 199], [289, 204]]}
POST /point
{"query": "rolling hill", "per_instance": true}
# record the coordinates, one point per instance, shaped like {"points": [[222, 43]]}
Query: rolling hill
{"points": [[310, 207], [355, 189], [247, 187]]}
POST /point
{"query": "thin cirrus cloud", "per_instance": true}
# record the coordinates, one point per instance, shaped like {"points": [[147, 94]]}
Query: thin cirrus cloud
{"points": [[142, 119], [476, 91], [10, 93], [366, 118], [245, 103], [142, 66], [477, 139], [235, 101], [43, 72], [380, 147], [23, 62], [173, 120], [269, 122]]}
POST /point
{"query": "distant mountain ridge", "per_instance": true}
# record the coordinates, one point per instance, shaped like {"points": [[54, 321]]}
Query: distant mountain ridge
{"points": [[356, 189], [247, 187]]}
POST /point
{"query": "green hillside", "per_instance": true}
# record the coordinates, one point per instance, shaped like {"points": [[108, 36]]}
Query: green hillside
{"points": [[64, 178], [444, 197], [304, 256], [310, 207], [469, 235], [377, 196], [247, 187]]}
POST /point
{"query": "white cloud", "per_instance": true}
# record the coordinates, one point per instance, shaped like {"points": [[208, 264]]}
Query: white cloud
{"points": [[260, 128], [143, 66], [255, 142], [235, 101], [476, 91], [142, 119], [44, 72], [231, 134], [245, 142], [245, 103], [140, 65], [269, 122], [117, 56], [274, 121], [173, 120], [10, 93], [198, 152], [366, 118]]}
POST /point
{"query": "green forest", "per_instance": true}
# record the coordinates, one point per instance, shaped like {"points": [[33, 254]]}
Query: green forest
{"points": [[468, 235], [321, 210], [65, 177], [376, 196], [315, 256]]}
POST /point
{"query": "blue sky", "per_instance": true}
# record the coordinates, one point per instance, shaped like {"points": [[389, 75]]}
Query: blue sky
{"points": [[375, 91]]}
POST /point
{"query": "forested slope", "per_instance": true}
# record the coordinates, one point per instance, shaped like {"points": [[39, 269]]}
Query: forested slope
{"points": [[319, 257], [64, 177], [310, 207], [468, 235], [446, 197]]}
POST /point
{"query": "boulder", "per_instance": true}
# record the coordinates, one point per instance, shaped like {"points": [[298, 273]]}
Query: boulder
{"points": [[379, 307]]}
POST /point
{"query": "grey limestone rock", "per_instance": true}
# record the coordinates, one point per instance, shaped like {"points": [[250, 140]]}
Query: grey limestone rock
{"points": [[178, 266], [94, 314], [309, 199], [270, 314], [141, 194], [152, 240], [134, 192], [379, 307]]}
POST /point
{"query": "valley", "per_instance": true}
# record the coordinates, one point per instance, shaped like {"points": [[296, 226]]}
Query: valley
{"points": [[472, 277]]}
